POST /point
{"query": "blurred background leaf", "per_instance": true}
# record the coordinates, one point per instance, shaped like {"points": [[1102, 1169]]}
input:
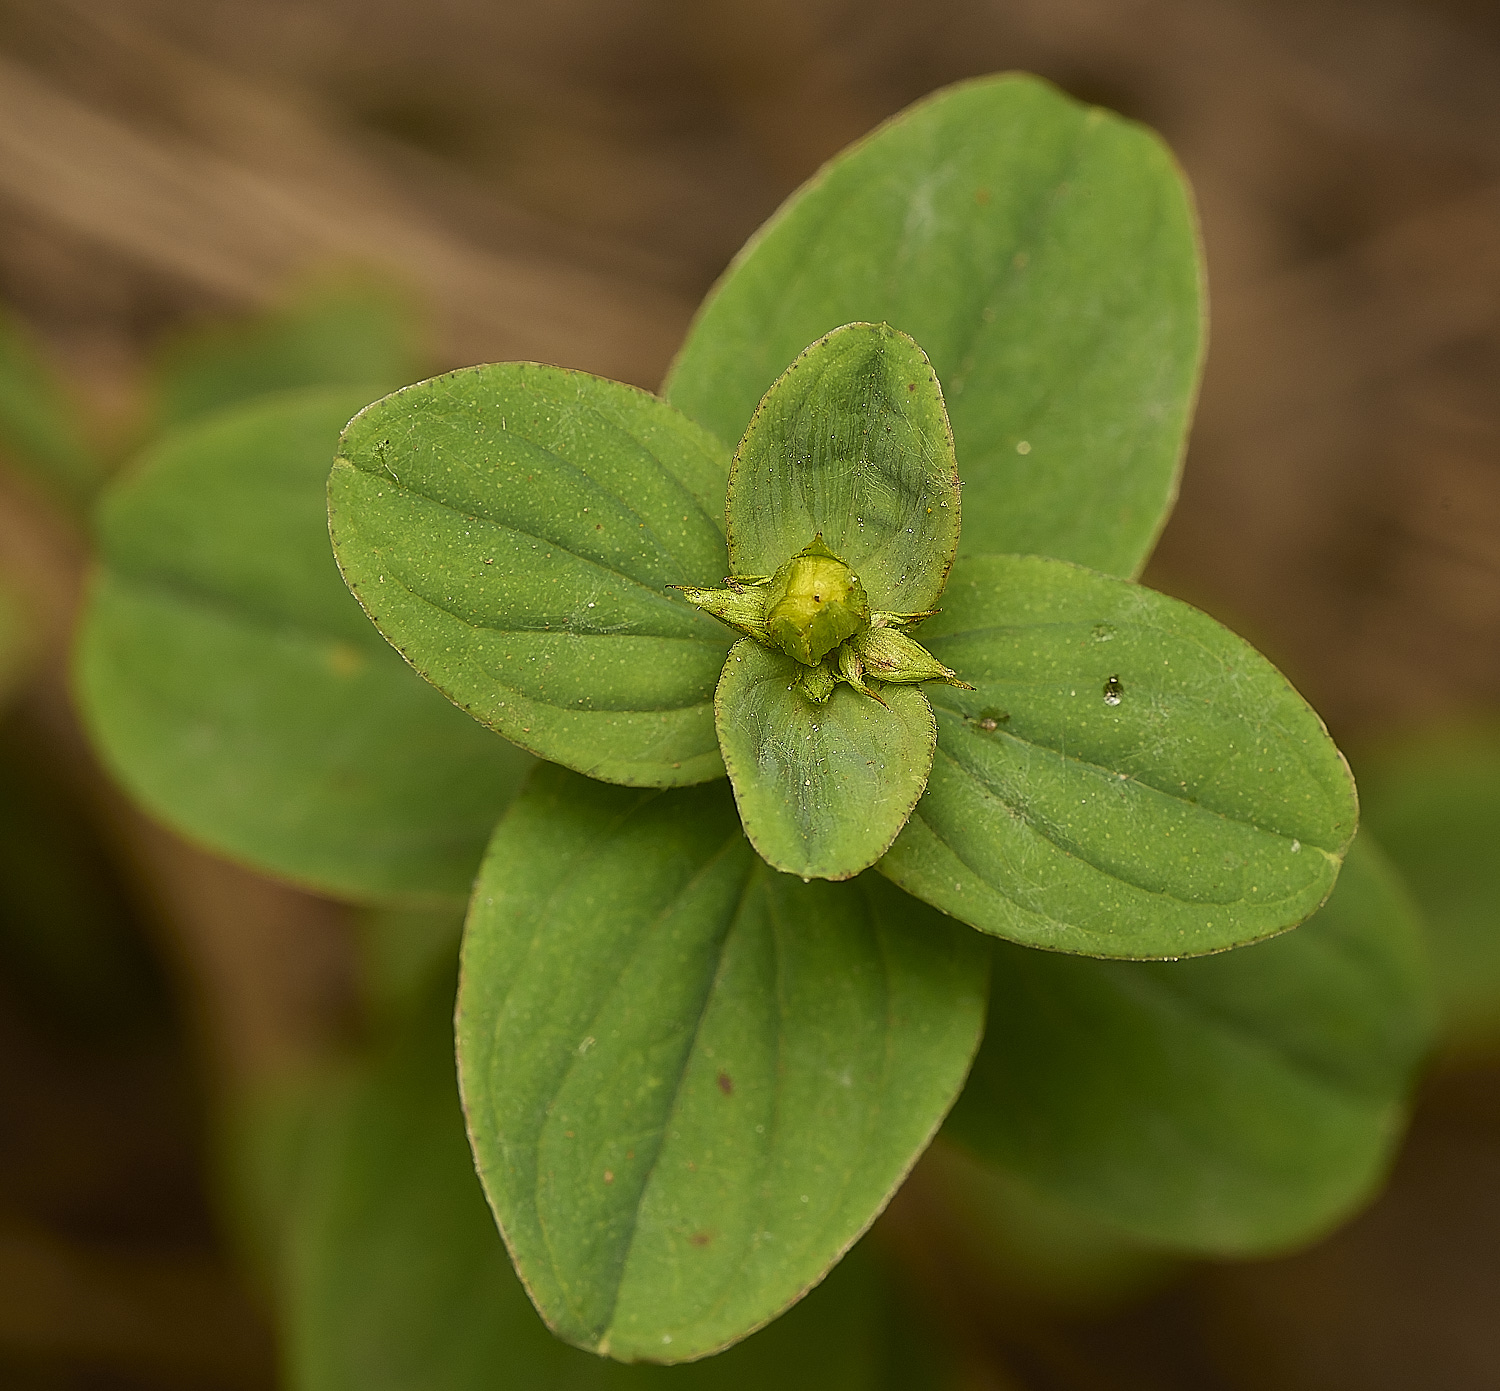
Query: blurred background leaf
{"points": [[1235, 1104], [396, 1276], [345, 331], [1433, 798], [238, 690]]}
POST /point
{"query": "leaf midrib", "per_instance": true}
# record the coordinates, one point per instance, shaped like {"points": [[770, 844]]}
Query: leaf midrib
{"points": [[233, 611], [1153, 989], [591, 485], [643, 939], [1112, 775], [652, 595]]}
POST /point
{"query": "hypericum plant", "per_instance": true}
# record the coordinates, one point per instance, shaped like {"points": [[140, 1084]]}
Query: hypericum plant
{"points": [[702, 1037]]}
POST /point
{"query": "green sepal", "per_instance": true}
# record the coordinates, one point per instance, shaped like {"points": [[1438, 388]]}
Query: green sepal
{"points": [[817, 682], [889, 655], [742, 608]]}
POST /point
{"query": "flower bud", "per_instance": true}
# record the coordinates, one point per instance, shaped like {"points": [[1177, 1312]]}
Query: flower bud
{"points": [[813, 603]]}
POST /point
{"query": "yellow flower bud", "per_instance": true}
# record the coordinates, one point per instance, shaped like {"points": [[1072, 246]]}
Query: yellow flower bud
{"points": [[813, 603]]}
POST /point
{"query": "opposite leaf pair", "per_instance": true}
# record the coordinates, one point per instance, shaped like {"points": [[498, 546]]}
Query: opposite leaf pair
{"points": [[851, 445], [1115, 773]]}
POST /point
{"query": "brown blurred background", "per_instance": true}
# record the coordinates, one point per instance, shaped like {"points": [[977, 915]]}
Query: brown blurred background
{"points": [[562, 180]]}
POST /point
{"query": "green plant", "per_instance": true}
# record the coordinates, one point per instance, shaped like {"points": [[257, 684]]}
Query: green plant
{"points": [[693, 1079]]}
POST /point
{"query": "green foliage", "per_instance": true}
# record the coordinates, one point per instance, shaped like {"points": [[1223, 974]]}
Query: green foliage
{"points": [[1045, 255], [397, 1280], [1034, 1252], [822, 789], [692, 1081], [348, 332], [1127, 778], [1236, 1104], [40, 426], [1433, 798], [687, 1107], [514, 530], [860, 414], [402, 951], [238, 692]]}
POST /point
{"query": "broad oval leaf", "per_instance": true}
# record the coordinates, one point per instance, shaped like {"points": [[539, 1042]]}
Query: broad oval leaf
{"points": [[1235, 1105], [852, 444], [692, 1083], [514, 531], [396, 1279], [822, 790], [1128, 778], [1045, 255], [349, 331], [1015, 1240], [237, 691]]}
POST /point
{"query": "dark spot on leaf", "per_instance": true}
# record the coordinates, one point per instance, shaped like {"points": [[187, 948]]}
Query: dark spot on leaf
{"points": [[991, 719], [981, 196], [912, 386], [700, 1238], [726, 1084]]}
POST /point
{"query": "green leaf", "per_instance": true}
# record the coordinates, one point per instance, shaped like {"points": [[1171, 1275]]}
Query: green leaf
{"points": [[39, 421], [852, 444], [824, 789], [692, 1083], [1433, 798], [513, 530], [1127, 779], [1028, 1248], [1238, 1104], [238, 692], [1045, 254], [401, 952], [398, 1280], [350, 332]]}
